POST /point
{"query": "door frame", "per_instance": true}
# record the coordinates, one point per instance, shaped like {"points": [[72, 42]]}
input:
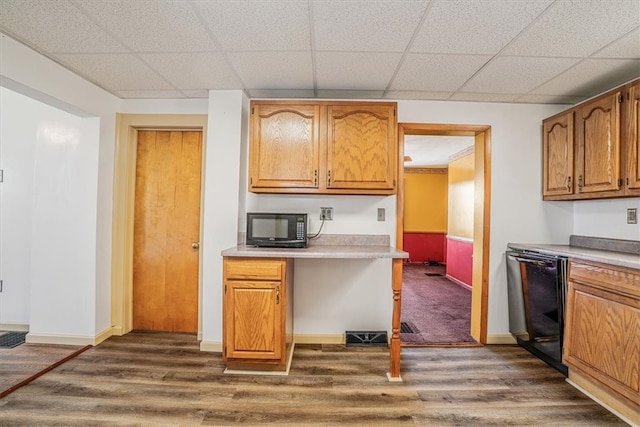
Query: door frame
{"points": [[127, 126], [482, 205]]}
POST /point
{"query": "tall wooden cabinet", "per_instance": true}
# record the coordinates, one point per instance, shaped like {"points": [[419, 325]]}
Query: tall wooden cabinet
{"points": [[602, 333], [323, 147], [257, 329], [590, 151]]}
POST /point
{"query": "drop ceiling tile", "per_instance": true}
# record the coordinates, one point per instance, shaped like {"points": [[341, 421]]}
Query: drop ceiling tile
{"points": [[115, 72], [363, 25], [244, 25], [350, 94], [625, 47], [55, 27], [474, 26], [436, 73], [198, 93], [414, 94], [591, 76], [549, 99], [577, 28], [281, 93], [355, 70], [151, 25], [149, 94], [273, 70], [193, 70], [483, 97], [516, 75]]}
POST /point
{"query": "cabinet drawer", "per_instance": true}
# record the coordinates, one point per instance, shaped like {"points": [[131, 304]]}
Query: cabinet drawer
{"points": [[257, 269], [614, 279]]}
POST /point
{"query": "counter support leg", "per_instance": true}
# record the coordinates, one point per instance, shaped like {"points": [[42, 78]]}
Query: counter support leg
{"points": [[394, 370]]}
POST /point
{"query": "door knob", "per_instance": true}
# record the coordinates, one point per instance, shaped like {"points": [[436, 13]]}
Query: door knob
{"points": [[195, 245]]}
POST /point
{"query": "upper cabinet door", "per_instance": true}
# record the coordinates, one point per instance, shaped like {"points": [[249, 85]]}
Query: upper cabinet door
{"points": [[361, 146], [633, 141], [598, 141], [557, 143], [284, 146]]}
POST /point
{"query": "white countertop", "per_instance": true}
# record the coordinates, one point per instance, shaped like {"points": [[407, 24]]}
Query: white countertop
{"points": [[596, 255], [318, 252]]}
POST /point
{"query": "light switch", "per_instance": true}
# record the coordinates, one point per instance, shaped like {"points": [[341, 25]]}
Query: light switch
{"points": [[380, 214]]}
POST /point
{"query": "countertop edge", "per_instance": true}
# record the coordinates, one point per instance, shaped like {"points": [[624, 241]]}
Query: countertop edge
{"points": [[319, 252], [619, 259]]}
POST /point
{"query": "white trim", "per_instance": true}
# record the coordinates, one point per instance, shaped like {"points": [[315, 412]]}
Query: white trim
{"points": [[212, 346], [458, 282], [593, 396], [59, 339], [501, 339], [459, 239], [319, 339], [105, 334], [15, 327]]}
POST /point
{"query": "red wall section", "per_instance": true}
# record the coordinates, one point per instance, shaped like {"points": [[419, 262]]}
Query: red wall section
{"points": [[459, 260], [424, 247]]}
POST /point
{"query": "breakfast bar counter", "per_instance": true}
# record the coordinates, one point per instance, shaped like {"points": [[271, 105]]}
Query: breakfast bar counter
{"points": [[327, 247]]}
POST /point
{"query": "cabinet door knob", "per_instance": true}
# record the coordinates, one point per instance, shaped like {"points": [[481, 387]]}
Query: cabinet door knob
{"points": [[195, 245]]}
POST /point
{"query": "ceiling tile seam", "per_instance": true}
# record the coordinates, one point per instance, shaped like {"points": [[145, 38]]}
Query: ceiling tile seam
{"points": [[116, 38], [497, 54], [612, 42], [407, 48], [217, 44], [312, 41]]}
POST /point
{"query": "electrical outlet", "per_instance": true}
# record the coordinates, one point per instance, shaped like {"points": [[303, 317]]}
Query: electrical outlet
{"points": [[380, 214], [632, 216], [326, 214]]}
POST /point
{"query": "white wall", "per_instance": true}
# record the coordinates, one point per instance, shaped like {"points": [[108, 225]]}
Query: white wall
{"points": [[17, 159], [518, 213], [27, 72], [332, 296], [606, 218]]}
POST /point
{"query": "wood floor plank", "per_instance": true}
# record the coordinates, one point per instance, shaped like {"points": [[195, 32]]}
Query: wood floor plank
{"points": [[151, 379]]}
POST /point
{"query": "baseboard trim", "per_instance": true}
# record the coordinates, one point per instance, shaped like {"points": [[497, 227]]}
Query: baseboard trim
{"points": [[212, 346], [458, 282], [59, 339], [107, 333], [319, 339], [14, 327], [501, 339]]}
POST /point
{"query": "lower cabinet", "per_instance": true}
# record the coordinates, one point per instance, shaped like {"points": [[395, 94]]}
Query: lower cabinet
{"points": [[602, 334], [257, 321]]}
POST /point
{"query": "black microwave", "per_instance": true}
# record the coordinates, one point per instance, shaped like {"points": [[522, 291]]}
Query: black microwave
{"points": [[280, 230]]}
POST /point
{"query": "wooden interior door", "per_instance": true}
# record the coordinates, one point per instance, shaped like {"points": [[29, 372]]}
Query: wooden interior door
{"points": [[166, 231]]}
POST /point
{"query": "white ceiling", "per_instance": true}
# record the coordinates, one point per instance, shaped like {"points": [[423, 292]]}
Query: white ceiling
{"points": [[433, 151], [534, 51]]}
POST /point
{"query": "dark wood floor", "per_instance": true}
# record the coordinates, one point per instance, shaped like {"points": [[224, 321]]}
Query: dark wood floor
{"points": [[150, 379]]}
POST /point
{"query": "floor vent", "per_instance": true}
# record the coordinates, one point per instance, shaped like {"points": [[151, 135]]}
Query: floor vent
{"points": [[434, 274], [366, 338], [12, 339], [408, 328]]}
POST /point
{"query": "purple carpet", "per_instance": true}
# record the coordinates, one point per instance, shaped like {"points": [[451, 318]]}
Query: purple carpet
{"points": [[435, 308]]}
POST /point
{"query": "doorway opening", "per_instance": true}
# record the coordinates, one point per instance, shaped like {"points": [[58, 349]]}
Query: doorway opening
{"points": [[478, 242], [122, 271]]}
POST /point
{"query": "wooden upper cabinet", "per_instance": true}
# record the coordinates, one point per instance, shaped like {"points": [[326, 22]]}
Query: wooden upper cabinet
{"points": [[598, 144], [360, 146], [557, 143], [284, 146], [632, 127], [320, 147], [600, 159]]}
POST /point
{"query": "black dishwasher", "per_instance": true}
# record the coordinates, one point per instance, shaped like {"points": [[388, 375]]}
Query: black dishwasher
{"points": [[536, 286]]}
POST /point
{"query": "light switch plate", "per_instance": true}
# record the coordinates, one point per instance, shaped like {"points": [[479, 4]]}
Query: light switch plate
{"points": [[632, 216], [380, 214]]}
